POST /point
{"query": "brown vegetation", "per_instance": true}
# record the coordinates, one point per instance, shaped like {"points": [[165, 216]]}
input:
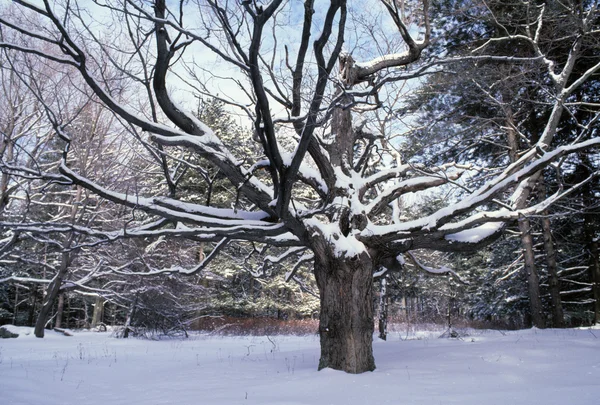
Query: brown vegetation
{"points": [[255, 326]]}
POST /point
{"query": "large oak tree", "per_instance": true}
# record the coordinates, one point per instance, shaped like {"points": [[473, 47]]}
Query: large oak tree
{"points": [[299, 70]]}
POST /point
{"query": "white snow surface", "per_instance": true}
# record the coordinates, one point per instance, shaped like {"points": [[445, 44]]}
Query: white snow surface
{"points": [[482, 367]]}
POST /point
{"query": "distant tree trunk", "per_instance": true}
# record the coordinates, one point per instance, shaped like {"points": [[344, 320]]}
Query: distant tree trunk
{"points": [[592, 245], [59, 310], [51, 295], [98, 312], [451, 308], [34, 298], [130, 315], [383, 308], [511, 134], [86, 315], [346, 319], [252, 289], [533, 281], [67, 311], [595, 276], [558, 318], [6, 150], [201, 255], [54, 286], [16, 306]]}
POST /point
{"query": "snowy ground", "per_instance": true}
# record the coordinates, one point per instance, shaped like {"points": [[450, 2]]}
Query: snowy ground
{"points": [[487, 367]]}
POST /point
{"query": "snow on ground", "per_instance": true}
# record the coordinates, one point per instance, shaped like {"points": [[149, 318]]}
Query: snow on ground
{"points": [[484, 368]]}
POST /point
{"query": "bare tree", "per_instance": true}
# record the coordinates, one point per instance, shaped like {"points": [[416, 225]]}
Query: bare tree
{"points": [[35, 99], [345, 225]]}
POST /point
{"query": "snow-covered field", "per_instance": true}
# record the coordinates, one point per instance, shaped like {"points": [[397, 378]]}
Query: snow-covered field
{"points": [[487, 367]]}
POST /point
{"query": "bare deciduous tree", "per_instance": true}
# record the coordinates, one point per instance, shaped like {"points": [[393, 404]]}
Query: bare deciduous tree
{"points": [[306, 82]]}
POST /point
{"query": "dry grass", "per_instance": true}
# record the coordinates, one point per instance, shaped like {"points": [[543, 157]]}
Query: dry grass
{"points": [[260, 326], [255, 326]]}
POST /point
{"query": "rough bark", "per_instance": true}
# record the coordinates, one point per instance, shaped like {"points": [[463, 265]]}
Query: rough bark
{"points": [[511, 134], [533, 281], [346, 319], [346, 322], [341, 151]]}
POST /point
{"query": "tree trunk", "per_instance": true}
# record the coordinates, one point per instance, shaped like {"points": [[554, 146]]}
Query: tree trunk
{"points": [[590, 223], [341, 151], [594, 260], [595, 270], [51, 295], [558, 319], [450, 310], [34, 298], [54, 286], [98, 312], [533, 282], [59, 310], [6, 150], [346, 321], [130, 315], [383, 308], [16, 307]]}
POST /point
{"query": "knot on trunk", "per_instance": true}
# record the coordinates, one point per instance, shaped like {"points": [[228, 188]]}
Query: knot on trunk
{"points": [[359, 221]]}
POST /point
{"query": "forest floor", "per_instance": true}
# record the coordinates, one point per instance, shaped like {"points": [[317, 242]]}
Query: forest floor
{"points": [[481, 367]]}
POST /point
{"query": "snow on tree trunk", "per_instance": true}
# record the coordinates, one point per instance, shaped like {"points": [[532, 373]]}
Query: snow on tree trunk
{"points": [[346, 320]]}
